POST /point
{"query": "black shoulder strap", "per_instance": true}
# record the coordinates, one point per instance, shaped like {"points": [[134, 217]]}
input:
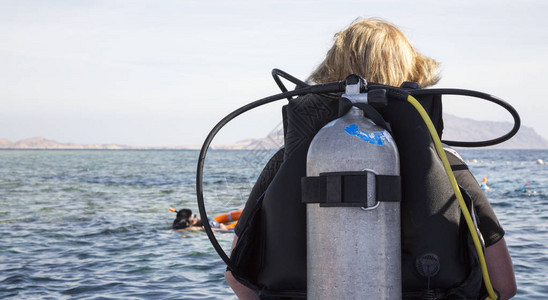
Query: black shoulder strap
{"points": [[368, 111]]}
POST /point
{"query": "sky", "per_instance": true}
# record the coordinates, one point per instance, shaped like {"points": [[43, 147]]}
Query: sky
{"points": [[163, 73]]}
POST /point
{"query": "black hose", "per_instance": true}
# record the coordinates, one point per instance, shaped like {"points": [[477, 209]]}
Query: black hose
{"points": [[276, 73], [484, 96]]}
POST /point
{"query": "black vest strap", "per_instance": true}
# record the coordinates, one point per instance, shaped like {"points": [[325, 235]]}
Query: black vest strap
{"points": [[368, 111], [348, 188]]}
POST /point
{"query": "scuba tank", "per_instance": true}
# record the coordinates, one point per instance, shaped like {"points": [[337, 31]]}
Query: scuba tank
{"points": [[271, 256], [353, 211]]}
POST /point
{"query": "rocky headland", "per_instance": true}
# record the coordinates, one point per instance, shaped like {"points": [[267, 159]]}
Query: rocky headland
{"points": [[455, 128]]}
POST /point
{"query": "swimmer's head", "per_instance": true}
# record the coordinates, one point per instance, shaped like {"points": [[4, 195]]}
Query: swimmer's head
{"points": [[185, 218]]}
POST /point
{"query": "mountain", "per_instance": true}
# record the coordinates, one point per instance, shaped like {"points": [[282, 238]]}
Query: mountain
{"points": [[463, 129], [4, 143], [455, 128], [42, 143]]}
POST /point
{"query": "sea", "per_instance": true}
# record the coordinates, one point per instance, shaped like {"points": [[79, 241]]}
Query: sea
{"points": [[95, 224]]}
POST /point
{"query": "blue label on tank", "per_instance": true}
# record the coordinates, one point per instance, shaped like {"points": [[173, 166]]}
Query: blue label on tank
{"points": [[375, 138]]}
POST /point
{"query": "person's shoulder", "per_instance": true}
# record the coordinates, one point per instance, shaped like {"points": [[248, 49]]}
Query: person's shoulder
{"points": [[453, 152], [454, 158]]}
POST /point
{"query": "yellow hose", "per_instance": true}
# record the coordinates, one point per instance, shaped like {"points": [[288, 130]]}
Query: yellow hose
{"points": [[462, 204]]}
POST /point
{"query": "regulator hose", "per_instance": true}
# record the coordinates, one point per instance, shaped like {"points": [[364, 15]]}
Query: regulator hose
{"points": [[276, 73], [480, 95]]}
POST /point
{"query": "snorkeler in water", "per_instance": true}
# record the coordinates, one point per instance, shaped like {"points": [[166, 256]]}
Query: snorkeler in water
{"points": [[185, 219], [484, 185], [525, 189]]}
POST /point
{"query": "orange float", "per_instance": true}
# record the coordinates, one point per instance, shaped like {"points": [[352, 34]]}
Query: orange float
{"points": [[231, 217]]}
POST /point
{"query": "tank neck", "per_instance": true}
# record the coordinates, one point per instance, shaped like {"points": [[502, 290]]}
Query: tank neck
{"points": [[354, 111]]}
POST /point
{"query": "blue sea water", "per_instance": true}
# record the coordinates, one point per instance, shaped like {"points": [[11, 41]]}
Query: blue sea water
{"points": [[96, 224]]}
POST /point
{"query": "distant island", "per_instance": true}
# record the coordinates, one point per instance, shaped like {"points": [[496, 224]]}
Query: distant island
{"points": [[43, 143], [463, 129], [455, 128]]}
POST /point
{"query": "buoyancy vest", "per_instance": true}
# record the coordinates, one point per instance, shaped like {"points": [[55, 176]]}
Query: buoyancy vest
{"points": [[271, 249]]}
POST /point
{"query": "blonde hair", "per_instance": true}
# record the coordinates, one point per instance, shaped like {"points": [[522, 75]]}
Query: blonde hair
{"points": [[377, 51]]}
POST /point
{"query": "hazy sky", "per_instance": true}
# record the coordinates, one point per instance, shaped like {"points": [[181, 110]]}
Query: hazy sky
{"points": [[152, 73]]}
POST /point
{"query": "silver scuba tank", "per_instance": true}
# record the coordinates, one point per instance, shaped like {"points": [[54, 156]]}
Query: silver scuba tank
{"points": [[353, 249]]}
